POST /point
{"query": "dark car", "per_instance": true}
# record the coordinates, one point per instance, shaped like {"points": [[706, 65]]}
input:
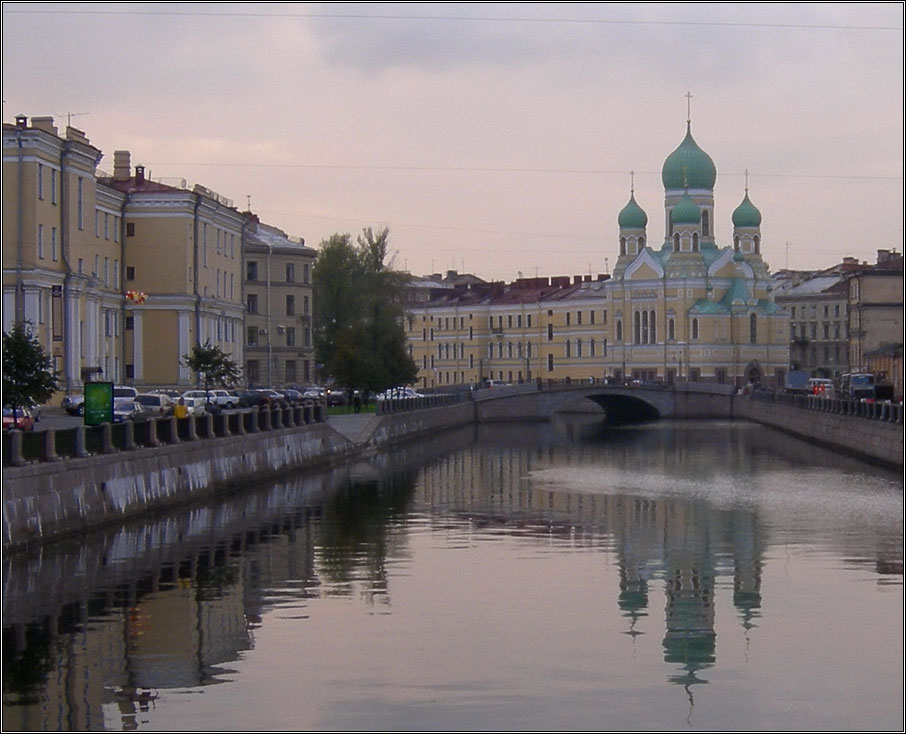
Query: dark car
{"points": [[337, 396], [292, 395], [126, 409]]}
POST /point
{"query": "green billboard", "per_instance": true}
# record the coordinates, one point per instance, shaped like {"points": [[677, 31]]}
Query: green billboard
{"points": [[98, 403]]}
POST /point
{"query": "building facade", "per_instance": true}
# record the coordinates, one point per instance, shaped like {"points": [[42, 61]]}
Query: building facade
{"points": [[62, 250], [277, 289], [686, 309], [875, 299], [183, 257]]}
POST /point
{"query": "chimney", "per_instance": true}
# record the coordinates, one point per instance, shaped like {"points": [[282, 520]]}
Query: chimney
{"points": [[122, 165], [45, 124], [139, 174], [21, 122]]}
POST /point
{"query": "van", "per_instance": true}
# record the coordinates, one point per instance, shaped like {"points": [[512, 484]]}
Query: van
{"points": [[821, 387]]}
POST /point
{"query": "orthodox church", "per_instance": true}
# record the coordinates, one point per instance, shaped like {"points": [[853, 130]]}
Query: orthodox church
{"points": [[690, 309]]}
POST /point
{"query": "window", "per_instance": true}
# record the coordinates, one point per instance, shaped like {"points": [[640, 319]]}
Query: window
{"points": [[97, 223], [106, 226], [252, 336], [568, 349], [578, 347], [290, 272], [568, 314], [41, 241], [306, 335], [619, 331], [305, 309], [116, 229], [528, 320], [251, 270], [753, 329], [695, 328], [676, 242], [106, 271], [53, 186], [289, 374], [671, 329], [41, 181], [290, 336], [252, 371], [130, 323], [509, 321], [53, 244], [130, 272], [591, 317], [550, 332], [305, 274], [251, 303], [130, 229], [290, 305], [550, 362], [579, 318]]}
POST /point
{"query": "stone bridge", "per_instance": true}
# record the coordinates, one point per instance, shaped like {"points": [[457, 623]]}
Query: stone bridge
{"points": [[620, 403]]}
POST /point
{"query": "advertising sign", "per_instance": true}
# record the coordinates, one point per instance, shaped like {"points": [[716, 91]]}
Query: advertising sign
{"points": [[98, 403]]}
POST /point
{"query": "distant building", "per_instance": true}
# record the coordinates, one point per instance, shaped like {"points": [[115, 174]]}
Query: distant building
{"points": [[277, 288], [875, 307], [817, 302], [686, 309]]}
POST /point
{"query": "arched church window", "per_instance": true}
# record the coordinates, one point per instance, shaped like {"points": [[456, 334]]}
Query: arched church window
{"points": [[695, 242], [652, 328], [671, 330], [676, 241], [706, 223], [757, 244], [736, 243], [637, 328], [695, 328], [644, 327], [622, 245], [753, 329], [620, 331]]}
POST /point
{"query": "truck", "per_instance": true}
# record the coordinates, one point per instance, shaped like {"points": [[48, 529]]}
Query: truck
{"points": [[857, 386], [796, 382]]}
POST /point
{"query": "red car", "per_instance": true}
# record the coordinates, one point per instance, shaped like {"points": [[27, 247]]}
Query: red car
{"points": [[23, 420]]}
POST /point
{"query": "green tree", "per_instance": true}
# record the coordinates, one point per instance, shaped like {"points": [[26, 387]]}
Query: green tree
{"points": [[28, 375], [359, 336], [213, 365]]}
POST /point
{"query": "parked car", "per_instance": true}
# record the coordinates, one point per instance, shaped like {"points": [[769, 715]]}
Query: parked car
{"points": [[395, 393], [313, 392], [124, 391], [292, 395], [196, 406], [157, 404], [336, 396], [127, 409], [22, 421], [219, 397], [74, 404]]}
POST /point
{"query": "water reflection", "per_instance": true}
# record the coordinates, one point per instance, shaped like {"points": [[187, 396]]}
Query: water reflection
{"points": [[96, 630]]}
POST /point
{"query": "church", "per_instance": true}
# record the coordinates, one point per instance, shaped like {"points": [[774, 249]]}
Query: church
{"points": [[687, 309], [691, 309]]}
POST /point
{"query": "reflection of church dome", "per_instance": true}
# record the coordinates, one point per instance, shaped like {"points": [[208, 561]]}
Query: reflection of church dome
{"points": [[632, 216], [686, 211], [746, 214], [688, 165]]}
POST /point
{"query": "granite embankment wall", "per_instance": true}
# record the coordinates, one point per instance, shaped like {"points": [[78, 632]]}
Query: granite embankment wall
{"points": [[52, 499], [873, 432]]}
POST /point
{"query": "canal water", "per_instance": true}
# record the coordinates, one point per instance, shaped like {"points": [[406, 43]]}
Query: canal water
{"points": [[670, 576]]}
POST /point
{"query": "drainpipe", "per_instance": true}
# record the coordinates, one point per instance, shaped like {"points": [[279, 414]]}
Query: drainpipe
{"points": [[122, 279], [64, 256], [20, 203], [195, 229]]}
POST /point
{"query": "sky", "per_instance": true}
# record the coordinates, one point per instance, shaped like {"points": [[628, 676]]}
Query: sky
{"points": [[495, 139]]}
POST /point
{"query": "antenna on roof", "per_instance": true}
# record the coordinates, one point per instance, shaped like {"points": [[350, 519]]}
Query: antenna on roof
{"points": [[70, 115]]}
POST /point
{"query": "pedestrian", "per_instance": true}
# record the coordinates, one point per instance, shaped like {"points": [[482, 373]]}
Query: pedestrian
{"points": [[357, 401], [181, 410]]}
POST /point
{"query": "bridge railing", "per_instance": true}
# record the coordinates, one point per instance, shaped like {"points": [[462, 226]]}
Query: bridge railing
{"points": [[882, 410], [72, 443], [434, 400]]}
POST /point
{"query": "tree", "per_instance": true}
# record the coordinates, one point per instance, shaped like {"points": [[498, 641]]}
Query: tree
{"points": [[359, 337], [214, 366], [28, 375]]}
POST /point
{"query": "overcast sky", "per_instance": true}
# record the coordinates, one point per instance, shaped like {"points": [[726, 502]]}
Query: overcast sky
{"points": [[489, 138]]}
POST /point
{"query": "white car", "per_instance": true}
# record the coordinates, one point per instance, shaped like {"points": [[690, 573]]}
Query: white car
{"points": [[219, 397], [395, 393]]}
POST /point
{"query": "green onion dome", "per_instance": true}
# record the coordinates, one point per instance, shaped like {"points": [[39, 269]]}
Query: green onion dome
{"points": [[632, 216], [686, 211], [688, 166], [746, 214]]}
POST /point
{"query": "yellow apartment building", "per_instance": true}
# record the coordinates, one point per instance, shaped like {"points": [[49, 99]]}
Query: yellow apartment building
{"points": [[62, 250], [182, 275]]}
